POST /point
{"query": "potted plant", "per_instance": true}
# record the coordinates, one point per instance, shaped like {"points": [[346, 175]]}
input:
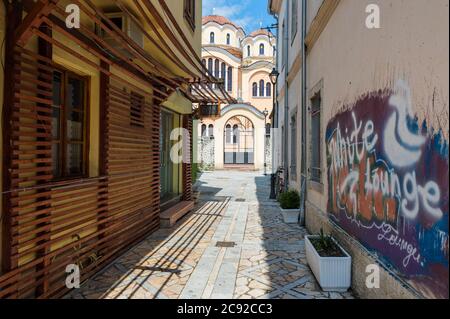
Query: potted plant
{"points": [[290, 206], [329, 262]]}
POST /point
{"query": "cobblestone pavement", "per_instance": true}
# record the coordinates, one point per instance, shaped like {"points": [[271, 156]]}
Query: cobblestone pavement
{"points": [[267, 259]]}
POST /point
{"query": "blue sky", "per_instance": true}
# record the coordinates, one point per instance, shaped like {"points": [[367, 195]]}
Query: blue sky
{"points": [[250, 14]]}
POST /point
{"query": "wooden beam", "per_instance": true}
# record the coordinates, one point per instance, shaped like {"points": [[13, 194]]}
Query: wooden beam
{"points": [[33, 19], [13, 19], [45, 49]]}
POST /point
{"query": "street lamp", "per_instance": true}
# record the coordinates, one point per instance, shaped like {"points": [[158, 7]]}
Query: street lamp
{"points": [[266, 113], [273, 78]]}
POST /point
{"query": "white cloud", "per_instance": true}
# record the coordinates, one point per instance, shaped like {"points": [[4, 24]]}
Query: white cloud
{"points": [[232, 10], [240, 12]]}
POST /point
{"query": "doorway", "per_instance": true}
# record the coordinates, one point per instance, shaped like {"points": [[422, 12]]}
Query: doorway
{"points": [[239, 141]]}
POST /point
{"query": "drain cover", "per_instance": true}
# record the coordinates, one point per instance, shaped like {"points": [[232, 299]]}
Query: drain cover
{"points": [[240, 200], [225, 244]]}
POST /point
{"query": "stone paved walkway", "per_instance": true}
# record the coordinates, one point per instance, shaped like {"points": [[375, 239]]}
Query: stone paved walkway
{"points": [[267, 259]]}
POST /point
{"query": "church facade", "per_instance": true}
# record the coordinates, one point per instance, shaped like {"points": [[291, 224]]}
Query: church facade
{"points": [[238, 134]]}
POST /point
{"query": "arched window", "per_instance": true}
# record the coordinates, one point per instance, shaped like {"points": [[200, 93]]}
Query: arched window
{"points": [[203, 130], [261, 88], [248, 50], [223, 71], [274, 50], [228, 134], [216, 68], [228, 39], [210, 65], [230, 79], [255, 89], [261, 49], [235, 134], [212, 37], [204, 64], [211, 130], [268, 89]]}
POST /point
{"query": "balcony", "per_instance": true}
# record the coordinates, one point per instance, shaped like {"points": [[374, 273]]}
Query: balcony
{"points": [[212, 110]]}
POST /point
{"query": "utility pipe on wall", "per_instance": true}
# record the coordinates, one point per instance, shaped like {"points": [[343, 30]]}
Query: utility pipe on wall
{"points": [[286, 96], [304, 162]]}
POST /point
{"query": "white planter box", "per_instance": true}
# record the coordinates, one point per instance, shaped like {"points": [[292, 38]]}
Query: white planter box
{"points": [[291, 216], [332, 273]]}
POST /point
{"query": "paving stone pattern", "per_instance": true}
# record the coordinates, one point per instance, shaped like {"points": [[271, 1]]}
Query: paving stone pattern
{"points": [[265, 258]]}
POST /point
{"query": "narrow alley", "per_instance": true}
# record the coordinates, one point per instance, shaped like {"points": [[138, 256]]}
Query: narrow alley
{"points": [[259, 256]]}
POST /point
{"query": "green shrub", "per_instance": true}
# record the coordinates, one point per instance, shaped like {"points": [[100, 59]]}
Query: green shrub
{"points": [[289, 200]]}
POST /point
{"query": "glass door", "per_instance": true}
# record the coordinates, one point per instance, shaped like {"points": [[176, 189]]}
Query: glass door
{"points": [[166, 164]]}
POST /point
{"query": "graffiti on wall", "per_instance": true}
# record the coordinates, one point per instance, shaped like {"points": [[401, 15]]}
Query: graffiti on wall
{"points": [[388, 181]]}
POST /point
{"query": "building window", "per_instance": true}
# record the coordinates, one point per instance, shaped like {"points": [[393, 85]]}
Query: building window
{"points": [[255, 89], [230, 79], [137, 107], [203, 130], [69, 118], [210, 65], [212, 37], [223, 71], [268, 89], [204, 64], [294, 20], [261, 88], [228, 39], [293, 173], [235, 134], [248, 50], [211, 130], [228, 134], [316, 156], [274, 50], [189, 12], [261, 49], [216, 68]]}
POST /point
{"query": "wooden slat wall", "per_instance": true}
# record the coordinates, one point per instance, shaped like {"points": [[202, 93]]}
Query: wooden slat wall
{"points": [[187, 164], [134, 193], [85, 222]]}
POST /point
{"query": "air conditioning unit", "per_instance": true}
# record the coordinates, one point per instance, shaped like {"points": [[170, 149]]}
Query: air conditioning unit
{"points": [[125, 23]]}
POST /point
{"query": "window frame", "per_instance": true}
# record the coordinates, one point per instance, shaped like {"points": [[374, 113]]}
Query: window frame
{"points": [[294, 22], [316, 183], [230, 79], [269, 89], [212, 38], [261, 88], [254, 89], [211, 130], [262, 49], [189, 13], [63, 140]]}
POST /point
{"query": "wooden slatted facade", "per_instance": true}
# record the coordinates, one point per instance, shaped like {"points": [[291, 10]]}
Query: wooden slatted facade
{"points": [[49, 223]]}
